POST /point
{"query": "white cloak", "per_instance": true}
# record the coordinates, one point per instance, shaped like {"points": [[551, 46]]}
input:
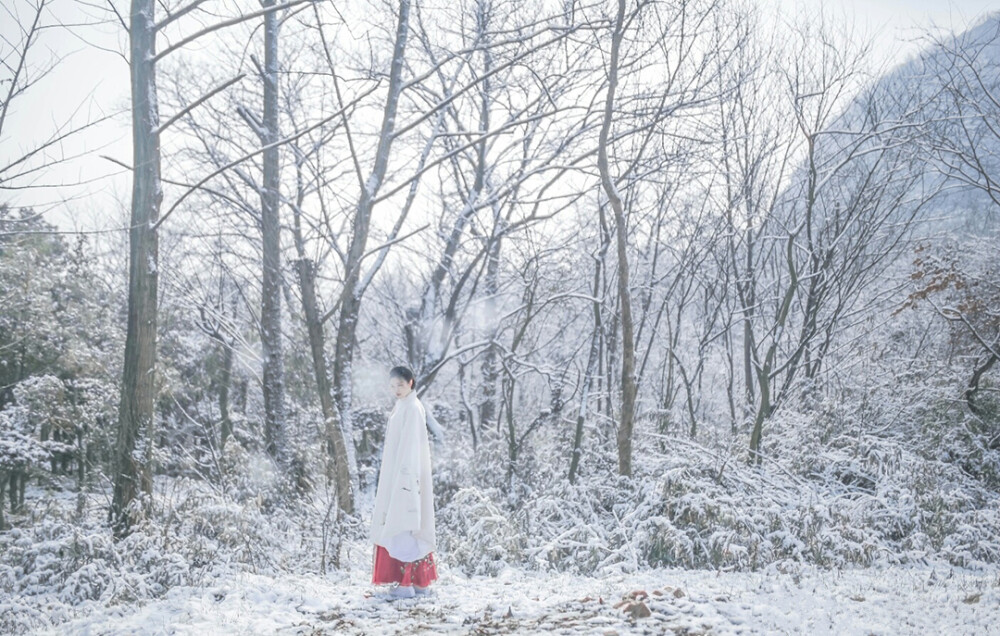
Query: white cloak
{"points": [[403, 519]]}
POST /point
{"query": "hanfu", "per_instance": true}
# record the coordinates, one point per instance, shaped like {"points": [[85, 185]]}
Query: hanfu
{"points": [[402, 527]]}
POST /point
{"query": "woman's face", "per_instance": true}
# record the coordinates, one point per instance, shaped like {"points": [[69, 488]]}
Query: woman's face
{"points": [[400, 387]]}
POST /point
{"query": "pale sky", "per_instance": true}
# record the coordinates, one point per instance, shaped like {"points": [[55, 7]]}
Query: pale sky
{"points": [[894, 24], [92, 79]]}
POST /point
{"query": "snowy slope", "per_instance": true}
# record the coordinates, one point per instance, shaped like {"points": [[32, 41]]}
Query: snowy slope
{"points": [[928, 599], [956, 126]]}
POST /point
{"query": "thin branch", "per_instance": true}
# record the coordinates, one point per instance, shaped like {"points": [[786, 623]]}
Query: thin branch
{"points": [[225, 23], [197, 103], [256, 152], [384, 246], [176, 15]]}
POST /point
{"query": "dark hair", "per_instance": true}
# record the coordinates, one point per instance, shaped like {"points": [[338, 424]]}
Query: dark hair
{"points": [[403, 373]]}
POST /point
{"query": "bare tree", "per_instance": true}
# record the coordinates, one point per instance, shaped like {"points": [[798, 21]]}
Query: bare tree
{"points": [[20, 72], [510, 156], [218, 315], [841, 219], [135, 411], [677, 44], [624, 298], [960, 122], [755, 151], [418, 102], [962, 111], [593, 352], [268, 132], [138, 383], [338, 467], [354, 286]]}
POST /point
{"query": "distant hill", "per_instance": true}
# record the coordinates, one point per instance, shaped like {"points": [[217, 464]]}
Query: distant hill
{"points": [[951, 91]]}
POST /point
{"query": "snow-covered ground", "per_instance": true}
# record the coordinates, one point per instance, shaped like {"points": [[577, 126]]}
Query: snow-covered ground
{"points": [[931, 599]]}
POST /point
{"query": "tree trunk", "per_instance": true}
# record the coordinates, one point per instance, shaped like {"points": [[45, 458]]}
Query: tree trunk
{"points": [[508, 393], [351, 294], [764, 367], [338, 467], [628, 345], [749, 304], [763, 410], [270, 317], [241, 396], [588, 376], [973, 389], [22, 482], [488, 402], [135, 410], [15, 479], [226, 425]]}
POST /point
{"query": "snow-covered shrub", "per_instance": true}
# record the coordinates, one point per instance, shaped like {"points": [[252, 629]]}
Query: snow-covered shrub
{"points": [[900, 490], [838, 498], [64, 561], [568, 527], [477, 534], [18, 450], [77, 564], [211, 528], [708, 512], [249, 474], [975, 537]]}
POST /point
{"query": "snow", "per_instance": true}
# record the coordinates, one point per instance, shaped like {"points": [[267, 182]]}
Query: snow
{"points": [[924, 599]]}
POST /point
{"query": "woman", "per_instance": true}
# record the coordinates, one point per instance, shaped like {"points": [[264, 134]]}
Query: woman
{"points": [[403, 520]]}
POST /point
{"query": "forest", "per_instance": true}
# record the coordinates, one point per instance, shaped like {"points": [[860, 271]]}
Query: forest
{"points": [[700, 297]]}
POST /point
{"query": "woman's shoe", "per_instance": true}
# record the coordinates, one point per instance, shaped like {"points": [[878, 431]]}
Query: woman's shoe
{"points": [[402, 591], [421, 591]]}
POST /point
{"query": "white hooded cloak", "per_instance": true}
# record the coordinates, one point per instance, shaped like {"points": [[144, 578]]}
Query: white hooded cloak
{"points": [[403, 519]]}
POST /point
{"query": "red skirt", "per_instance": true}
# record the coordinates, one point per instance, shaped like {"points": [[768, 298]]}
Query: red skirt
{"points": [[386, 569]]}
